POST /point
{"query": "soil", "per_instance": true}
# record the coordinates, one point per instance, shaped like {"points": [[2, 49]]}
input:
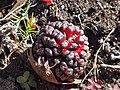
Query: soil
{"points": [[98, 18]]}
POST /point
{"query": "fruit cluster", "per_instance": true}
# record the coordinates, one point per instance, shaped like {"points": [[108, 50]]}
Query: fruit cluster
{"points": [[65, 47]]}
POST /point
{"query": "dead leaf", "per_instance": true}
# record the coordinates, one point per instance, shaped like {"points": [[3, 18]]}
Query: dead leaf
{"points": [[43, 70]]}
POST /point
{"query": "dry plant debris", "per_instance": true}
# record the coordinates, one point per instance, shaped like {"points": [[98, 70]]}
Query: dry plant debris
{"points": [[99, 19]]}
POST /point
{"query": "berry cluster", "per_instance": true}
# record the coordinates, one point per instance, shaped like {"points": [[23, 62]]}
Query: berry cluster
{"points": [[65, 47]]}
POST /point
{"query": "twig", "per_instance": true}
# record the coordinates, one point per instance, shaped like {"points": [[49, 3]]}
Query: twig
{"points": [[7, 59], [95, 59], [86, 77], [12, 11], [110, 66], [101, 6], [96, 55]]}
